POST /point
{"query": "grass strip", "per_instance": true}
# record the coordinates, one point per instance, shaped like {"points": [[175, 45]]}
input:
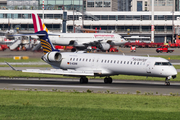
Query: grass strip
{"points": [[168, 57], [21, 60], [176, 66], [12, 74], [28, 66], [21, 105]]}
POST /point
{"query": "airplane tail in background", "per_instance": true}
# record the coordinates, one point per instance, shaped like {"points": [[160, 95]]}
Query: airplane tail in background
{"points": [[38, 25], [45, 42]]}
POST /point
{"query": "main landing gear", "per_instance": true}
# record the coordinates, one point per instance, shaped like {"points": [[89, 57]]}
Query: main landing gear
{"points": [[167, 83], [83, 79], [108, 80]]}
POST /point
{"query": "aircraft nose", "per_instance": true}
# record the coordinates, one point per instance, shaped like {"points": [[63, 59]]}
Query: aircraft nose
{"points": [[173, 71]]}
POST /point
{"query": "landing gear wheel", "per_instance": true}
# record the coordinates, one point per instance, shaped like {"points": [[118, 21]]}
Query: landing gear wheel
{"points": [[107, 80], [83, 80], [167, 83]]}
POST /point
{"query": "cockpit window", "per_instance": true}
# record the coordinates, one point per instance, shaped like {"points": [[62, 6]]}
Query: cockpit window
{"points": [[163, 63]]}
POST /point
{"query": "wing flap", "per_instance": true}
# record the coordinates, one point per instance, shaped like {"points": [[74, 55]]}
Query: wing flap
{"points": [[61, 72]]}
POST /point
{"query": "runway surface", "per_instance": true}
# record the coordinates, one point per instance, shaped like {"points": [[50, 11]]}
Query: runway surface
{"points": [[126, 51], [118, 86]]}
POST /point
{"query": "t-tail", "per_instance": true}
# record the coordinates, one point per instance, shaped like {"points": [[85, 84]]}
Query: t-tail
{"points": [[45, 42], [38, 25]]}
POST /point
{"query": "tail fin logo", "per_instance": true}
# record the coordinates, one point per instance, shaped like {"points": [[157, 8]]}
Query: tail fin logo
{"points": [[38, 25], [45, 42]]}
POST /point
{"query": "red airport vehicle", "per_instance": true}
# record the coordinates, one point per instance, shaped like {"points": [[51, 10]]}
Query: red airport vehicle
{"points": [[113, 49], [133, 48], [142, 44], [3, 47], [163, 48]]}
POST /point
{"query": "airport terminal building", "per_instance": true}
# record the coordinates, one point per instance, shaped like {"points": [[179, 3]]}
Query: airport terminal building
{"points": [[123, 23], [125, 17]]}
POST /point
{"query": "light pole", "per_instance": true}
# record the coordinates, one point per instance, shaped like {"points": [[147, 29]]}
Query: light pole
{"points": [[43, 11], [152, 22], [173, 22]]}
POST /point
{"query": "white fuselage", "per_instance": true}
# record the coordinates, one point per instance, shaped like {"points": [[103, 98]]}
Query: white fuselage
{"points": [[80, 39], [106, 64]]}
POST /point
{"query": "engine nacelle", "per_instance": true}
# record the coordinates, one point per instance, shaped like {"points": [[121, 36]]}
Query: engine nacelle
{"points": [[104, 46], [53, 56]]}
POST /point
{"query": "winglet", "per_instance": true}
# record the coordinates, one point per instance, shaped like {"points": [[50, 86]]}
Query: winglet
{"points": [[12, 67]]}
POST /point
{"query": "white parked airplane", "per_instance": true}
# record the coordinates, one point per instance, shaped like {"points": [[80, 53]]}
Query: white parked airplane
{"points": [[80, 40], [104, 65]]}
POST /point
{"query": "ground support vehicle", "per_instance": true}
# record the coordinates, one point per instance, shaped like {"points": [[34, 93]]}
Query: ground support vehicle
{"points": [[163, 48]]}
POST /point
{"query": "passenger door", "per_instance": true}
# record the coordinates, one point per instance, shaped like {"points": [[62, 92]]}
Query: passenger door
{"points": [[148, 68]]}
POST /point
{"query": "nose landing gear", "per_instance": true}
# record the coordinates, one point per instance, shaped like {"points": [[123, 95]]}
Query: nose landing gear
{"points": [[167, 83]]}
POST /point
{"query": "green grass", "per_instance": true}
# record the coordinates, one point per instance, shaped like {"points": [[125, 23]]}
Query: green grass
{"points": [[27, 66], [173, 57], [176, 66], [37, 105], [11, 74], [169, 57], [21, 60]]}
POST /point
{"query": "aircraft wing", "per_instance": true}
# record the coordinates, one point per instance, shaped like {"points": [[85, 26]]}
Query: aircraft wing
{"points": [[61, 72]]}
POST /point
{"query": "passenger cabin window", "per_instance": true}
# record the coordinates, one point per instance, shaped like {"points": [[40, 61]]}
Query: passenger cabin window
{"points": [[163, 63], [114, 61], [73, 59], [77, 59], [70, 59], [80, 59]]}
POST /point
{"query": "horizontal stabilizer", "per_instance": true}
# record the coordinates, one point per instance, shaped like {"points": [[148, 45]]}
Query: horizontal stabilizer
{"points": [[29, 34], [61, 72]]}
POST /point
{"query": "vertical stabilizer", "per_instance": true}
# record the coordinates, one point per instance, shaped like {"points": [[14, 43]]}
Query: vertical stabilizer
{"points": [[38, 25], [45, 42]]}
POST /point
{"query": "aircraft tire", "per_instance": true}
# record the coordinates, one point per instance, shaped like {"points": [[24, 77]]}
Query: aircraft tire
{"points": [[83, 80], [167, 83], [110, 80], [105, 80]]}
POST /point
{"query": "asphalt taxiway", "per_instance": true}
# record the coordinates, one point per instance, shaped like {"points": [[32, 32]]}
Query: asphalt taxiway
{"points": [[118, 86], [95, 85]]}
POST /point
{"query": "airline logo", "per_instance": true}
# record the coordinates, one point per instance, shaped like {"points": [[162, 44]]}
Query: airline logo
{"points": [[38, 25], [104, 36], [46, 46]]}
